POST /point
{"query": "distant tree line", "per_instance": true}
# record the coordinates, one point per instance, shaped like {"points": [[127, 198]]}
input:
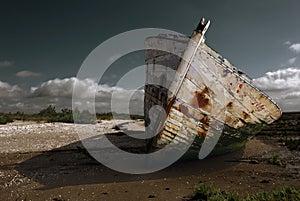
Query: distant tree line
{"points": [[50, 114]]}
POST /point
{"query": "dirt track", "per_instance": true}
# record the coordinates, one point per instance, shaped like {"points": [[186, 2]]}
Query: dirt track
{"points": [[42, 161]]}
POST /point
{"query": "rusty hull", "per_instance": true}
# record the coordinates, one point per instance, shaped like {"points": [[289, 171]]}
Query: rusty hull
{"points": [[205, 89]]}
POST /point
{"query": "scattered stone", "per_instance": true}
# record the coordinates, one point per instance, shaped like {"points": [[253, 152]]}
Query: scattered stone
{"points": [[151, 196], [264, 181], [58, 199]]}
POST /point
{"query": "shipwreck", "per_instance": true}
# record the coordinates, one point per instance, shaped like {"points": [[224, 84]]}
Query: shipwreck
{"points": [[203, 96]]}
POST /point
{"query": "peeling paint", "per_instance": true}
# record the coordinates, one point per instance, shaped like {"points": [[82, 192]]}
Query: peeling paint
{"points": [[198, 99]]}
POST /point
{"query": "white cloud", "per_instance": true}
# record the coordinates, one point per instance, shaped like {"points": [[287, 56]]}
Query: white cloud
{"points": [[291, 95], [59, 92], [282, 85], [26, 73], [55, 88], [295, 47], [6, 63], [9, 91], [287, 42], [20, 105], [292, 60]]}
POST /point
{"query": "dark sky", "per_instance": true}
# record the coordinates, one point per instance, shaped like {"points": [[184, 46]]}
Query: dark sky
{"points": [[54, 37]]}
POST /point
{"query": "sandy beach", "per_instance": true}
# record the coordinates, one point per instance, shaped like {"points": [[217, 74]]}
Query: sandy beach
{"points": [[46, 161]]}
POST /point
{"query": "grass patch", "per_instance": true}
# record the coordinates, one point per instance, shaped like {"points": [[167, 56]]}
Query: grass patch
{"points": [[212, 193], [204, 192], [4, 119], [275, 160]]}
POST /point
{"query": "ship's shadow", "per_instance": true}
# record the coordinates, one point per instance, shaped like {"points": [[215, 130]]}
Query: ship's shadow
{"points": [[72, 165]]}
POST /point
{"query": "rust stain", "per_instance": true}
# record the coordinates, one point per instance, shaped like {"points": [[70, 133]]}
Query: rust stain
{"points": [[170, 103], [245, 115], [201, 99], [205, 120], [201, 131], [229, 105], [240, 86], [176, 107], [237, 91]]}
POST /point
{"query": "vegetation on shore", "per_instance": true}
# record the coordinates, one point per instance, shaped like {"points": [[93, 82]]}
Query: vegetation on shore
{"points": [[275, 160], [212, 193], [4, 119], [66, 115]]}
